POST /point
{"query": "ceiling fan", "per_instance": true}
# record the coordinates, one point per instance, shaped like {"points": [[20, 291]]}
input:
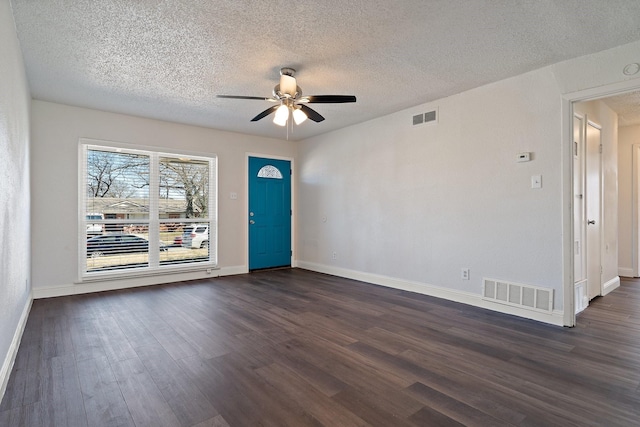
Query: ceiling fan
{"points": [[290, 102]]}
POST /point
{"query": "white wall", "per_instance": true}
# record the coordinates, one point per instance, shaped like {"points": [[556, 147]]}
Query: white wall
{"points": [[56, 130], [627, 136], [409, 207], [418, 204], [14, 194]]}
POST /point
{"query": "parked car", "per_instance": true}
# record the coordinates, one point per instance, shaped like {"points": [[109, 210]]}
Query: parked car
{"points": [[94, 229], [109, 244], [195, 236]]}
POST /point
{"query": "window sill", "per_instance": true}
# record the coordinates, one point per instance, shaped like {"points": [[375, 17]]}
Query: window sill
{"points": [[131, 274]]}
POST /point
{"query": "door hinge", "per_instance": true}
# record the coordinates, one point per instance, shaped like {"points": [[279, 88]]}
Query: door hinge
{"points": [[600, 148], [291, 212]]}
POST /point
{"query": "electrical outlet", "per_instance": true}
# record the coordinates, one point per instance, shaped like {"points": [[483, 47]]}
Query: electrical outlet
{"points": [[334, 255], [465, 274]]}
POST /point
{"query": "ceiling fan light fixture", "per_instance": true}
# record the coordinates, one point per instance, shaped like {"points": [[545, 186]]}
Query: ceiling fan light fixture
{"points": [[282, 114], [299, 116]]}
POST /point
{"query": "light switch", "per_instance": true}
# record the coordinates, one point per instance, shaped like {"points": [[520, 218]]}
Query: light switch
{"points": [[536, 181]]}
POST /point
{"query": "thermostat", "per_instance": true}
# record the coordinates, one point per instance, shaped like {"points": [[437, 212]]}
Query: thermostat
{"points": [[524, 157]]}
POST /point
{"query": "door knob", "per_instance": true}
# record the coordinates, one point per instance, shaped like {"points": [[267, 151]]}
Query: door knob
{"points": [[252, 222], [592, 222]]}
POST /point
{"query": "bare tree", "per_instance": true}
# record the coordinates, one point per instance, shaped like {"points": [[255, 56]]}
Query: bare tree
{"points": [[116, 174], [124, 175], [189, 179]]}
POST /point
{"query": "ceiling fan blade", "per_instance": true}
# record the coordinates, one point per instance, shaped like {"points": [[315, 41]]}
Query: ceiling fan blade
{"points": [[265, 113], [328, 99], [260, 98], [311, 113]]}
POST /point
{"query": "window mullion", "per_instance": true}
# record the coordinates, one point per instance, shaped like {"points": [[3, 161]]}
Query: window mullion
{"points": [[213, 210], [154, 223]]}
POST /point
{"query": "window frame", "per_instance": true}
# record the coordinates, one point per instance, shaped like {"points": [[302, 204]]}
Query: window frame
{"points": [[154, 266]]}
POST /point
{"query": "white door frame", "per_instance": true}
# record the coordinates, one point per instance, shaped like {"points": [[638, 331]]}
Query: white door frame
{"points": [[569, 316], [635, 199]]}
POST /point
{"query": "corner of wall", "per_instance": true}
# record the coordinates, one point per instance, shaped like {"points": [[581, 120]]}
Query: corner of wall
{"points": [[10, 358]]}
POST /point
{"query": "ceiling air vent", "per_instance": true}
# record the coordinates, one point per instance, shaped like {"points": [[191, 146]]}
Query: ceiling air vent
{"points": [[428, 117]]}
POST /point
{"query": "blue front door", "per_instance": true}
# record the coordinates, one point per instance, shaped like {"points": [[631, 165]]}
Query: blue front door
{"points": [[269, 213]]}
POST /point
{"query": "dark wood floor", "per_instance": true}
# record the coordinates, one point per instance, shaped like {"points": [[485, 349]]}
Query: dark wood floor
{"points": [[295, 348]]}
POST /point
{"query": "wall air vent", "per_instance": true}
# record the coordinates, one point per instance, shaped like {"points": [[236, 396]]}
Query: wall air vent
{"points": [[428, 117], [518, 295]]}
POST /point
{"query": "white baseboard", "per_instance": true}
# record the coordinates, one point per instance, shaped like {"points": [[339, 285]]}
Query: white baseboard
{"points": [[625, 272], [114, 284], [10, 358], [555, 318], [610, 285]]}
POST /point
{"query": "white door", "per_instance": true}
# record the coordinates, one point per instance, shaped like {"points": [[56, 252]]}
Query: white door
{"points": [[593, 209], [579, 254], [635, 216]]}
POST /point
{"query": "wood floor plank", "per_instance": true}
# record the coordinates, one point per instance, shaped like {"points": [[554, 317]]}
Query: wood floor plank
{"points": [[134, 330], [162, 331], [145, 402], [113, 340], [101, 394], [61, 395], [86, 339], [322, 380], [451, 408], [313, 401], [366, 407], [23, 416], [296, 348], [185, 399], [217, 421]]}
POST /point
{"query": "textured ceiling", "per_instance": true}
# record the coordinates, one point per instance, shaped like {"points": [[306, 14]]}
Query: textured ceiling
{"points": [[168, 59], [627, 106]]}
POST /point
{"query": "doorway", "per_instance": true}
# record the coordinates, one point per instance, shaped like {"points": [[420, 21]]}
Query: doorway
{"points": [[269, 213], [604, 221]]}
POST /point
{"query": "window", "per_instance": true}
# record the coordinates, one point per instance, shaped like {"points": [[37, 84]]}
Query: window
{"points": [[145, 211], [269, 171]]}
